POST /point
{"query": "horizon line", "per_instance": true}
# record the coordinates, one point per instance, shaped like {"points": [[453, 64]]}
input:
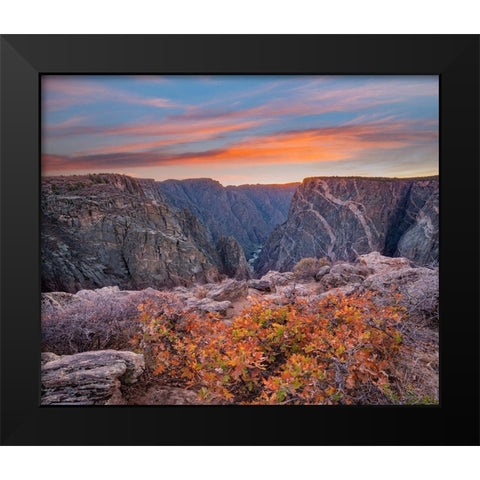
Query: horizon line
{"points": [[242, 184]]}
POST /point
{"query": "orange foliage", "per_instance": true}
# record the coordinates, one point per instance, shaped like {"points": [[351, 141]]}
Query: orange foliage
{"points": [[337, 351]]}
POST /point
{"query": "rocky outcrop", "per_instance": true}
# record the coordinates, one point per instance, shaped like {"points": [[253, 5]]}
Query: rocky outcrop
{"points": [[233, 259], [384, 277], [89, 378], [213, 297], [64, 300], [110, 229], [228, 290], [343, 217], [343, 274], [322, 272], [207, 305], [247, 213], [418, 286], [260, 285], [277, 278]]}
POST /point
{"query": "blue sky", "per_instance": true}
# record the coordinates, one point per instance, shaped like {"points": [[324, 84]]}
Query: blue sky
{"points": [[240, 129]]}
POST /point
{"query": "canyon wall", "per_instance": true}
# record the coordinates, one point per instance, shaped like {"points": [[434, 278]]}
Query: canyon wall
{"points": [[343, 217], [110, 229]]}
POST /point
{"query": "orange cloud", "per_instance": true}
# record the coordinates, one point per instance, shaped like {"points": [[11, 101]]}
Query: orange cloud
{"points": [[313, 145], [304, 146]]}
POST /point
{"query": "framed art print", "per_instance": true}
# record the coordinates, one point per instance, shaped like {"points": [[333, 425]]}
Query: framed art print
{"points": [[240, 240]]}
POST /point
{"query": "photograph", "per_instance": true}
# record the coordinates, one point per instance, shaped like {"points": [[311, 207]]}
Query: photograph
{"points": [[239, 240]]}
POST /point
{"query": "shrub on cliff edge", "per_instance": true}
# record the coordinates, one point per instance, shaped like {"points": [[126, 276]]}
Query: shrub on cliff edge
{"points": [[338, 351], [307, 268]]}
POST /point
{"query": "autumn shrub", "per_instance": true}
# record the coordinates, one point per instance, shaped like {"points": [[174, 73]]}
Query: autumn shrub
{"points": [[307, 268], [336, 351], [110, 321]]}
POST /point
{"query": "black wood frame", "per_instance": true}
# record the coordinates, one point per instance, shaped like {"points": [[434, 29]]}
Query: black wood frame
{"points": [[455, 58]]}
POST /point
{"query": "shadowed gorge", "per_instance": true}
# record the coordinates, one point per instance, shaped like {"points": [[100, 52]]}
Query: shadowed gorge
{"points": [[246, 212]]}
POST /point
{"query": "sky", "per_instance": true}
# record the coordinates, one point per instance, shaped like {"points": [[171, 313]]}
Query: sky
{"points": [[240, 129]]}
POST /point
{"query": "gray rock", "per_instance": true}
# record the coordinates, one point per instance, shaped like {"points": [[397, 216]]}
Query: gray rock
{"points": [[261, 285], [116, 230], [385, 276], [419, 289], [228, 290], [346, 290], [88, 378], [58, 300], [323, 271], [234, 263], [378, 263], [292, 291], [344, 274], [276, 278]]}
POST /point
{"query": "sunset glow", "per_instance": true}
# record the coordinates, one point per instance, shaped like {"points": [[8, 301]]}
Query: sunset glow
{"points": [[240, 129]]}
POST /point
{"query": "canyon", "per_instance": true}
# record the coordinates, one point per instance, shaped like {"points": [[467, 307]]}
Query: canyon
{"points": [[110, 229], [247, 213]]}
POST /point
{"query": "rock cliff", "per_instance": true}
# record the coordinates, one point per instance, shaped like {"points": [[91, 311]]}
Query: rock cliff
{"points": [[233, 259], [110, 229], [343, 217]]}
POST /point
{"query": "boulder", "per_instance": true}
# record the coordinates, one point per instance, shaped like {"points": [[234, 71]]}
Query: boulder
{"points": [[88, 378], [275, 278], [344, 274], [228, 290], [261, 285], [294, 290], [378, 263], [208, 305], [323, 271]]}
